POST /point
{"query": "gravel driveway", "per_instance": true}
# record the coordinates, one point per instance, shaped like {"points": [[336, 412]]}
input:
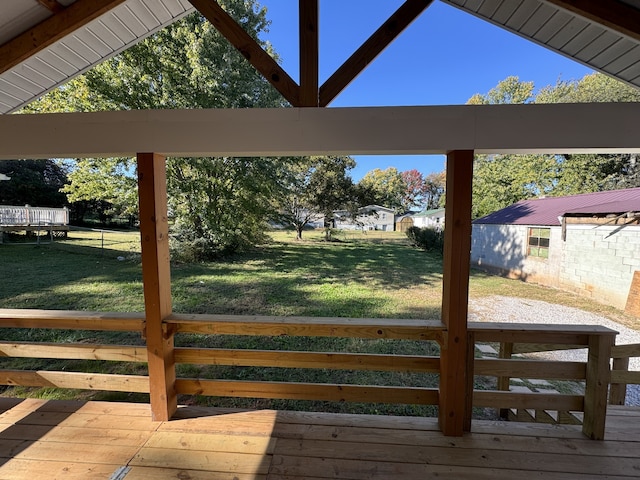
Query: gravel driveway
{"points": [[521, 310]]}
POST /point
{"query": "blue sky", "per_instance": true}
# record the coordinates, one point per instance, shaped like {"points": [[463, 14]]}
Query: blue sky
{"points": [[443, 58]]}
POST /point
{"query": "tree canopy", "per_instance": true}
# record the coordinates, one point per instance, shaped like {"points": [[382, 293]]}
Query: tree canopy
{"points": [[32, 182], [501, 180], [219, 202]]}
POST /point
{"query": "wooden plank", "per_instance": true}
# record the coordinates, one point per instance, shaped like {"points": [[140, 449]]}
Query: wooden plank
{"points": [[528, 333], [308, 391], [307, 326], [71, 320], [547, 370], [65, 434], [151, 473], [288, 359], [202, 460], [622, 376], [293, 467], [51, 30], [250, 49], [536, 440], [455, 294], [309, 52], [77, 452], [371, 48], [543, 347], [597, 386], [257, 445], [19, 469], [621, 351], [156, 277], [119, 353], [80, 380], [533, 400]]}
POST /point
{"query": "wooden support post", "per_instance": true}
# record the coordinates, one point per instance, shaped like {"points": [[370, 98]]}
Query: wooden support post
{"points": [[454, 383], [597, 386], [154, 230]]}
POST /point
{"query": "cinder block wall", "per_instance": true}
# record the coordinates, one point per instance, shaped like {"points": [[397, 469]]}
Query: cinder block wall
{"points": [[599, 262], [595, 261]]}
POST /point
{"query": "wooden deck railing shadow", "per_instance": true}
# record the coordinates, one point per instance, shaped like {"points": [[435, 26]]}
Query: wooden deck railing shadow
{"points": [[595, 372]]}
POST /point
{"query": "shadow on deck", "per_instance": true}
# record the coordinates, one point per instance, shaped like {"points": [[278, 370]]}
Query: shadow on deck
{"points": [[99, 440]]}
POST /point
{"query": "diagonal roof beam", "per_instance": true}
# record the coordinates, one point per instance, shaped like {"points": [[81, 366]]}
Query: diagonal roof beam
{"points": [[51, 5], [617, 16], [309, 53], [371, 48], [250, 49], [51, 30]]}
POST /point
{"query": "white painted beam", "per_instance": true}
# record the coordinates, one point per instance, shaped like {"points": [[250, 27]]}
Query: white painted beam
{"points": [[558, 128]]}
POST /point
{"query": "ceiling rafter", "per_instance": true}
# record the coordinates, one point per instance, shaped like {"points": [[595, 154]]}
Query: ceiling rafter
{"points": [[51, 30], [309, 53], [250, 49], [371, 48], [617, 16], [52, 5]]}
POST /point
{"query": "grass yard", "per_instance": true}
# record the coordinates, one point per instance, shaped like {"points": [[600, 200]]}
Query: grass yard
{"points": [[362, 274]]}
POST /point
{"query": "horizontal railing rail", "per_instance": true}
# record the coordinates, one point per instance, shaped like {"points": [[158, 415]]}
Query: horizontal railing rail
{"points": [[595, 372]]}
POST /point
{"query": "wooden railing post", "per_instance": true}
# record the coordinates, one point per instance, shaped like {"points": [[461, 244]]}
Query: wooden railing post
{"points": [[597, 386], [154, 231], [618, 391], [454, 374], [504, 382]]}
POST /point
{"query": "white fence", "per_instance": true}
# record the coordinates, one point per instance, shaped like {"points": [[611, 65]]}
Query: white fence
{"points": [[27, 216]]}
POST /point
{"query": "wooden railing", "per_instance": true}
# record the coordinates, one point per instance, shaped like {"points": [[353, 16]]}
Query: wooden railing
{"points": [[595, 372], [620, 375]]}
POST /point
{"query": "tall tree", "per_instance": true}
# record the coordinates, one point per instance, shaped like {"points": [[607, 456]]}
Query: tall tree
{"points": [[219, 201], [500, 180], [415, 189], [386, 186], [435, 184]]}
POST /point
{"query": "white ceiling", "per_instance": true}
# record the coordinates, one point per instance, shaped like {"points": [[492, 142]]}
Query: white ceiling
{"points": [[76, 53], [583, 40]]}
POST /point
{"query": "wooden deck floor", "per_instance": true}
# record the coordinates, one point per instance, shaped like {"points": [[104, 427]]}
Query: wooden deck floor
{"points": [[42, 439]]}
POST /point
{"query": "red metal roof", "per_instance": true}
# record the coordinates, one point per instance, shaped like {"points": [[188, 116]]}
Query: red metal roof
{"points": [[547, 211]]}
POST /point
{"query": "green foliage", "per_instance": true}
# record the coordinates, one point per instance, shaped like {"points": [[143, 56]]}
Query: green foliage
{"points": [[501, 180], [510, 90], [32, 182], [219, 205], [427, 238], [314, 188], [387, 187]]}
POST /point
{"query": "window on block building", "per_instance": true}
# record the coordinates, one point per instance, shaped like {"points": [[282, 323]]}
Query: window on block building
{"points": [[538, 243]]}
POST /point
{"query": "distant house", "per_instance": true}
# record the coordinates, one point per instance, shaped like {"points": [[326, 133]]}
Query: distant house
{"points": [[588, 244], [429, 218], [371, 217]]}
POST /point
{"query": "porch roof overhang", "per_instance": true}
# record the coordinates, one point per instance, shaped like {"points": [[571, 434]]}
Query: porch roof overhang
{"points": [[557, 128], [45, 43]]}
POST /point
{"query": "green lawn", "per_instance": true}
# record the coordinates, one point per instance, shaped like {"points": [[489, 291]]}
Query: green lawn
{"points": [[372, 274]]}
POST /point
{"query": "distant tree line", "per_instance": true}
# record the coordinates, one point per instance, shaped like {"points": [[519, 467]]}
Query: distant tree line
{"points": [[221, 205]]}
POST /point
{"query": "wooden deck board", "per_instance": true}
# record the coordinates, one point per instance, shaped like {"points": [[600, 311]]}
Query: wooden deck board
{"points": [[42, 439]]}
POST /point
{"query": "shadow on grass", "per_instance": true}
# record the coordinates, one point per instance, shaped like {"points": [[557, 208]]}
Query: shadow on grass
{"points": [[352, 279]]}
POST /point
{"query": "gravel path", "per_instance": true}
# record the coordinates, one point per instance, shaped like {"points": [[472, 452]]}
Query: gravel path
{"points": [[520, 310]]}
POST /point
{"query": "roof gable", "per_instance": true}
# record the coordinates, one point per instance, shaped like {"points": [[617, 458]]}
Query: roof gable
{"points": [[547, 211]]}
